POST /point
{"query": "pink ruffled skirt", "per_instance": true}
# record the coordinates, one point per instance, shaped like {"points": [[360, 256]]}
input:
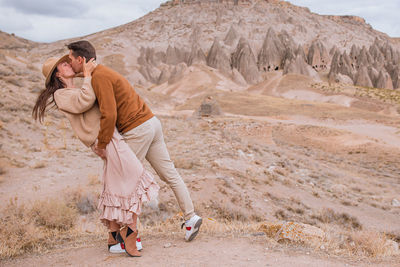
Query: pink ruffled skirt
{"points": [[126, 183]]}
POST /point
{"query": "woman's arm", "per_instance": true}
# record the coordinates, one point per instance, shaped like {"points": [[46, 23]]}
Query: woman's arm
{"points": [[74, 100]]}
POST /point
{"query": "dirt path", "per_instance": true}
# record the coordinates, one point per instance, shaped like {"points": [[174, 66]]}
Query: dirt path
{"points": [[204, 251], [268, 87], [385, 135]]}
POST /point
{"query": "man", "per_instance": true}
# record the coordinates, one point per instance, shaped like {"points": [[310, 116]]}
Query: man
{"points": [[122, 107]]}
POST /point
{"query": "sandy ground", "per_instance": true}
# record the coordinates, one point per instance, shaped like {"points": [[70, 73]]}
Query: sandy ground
{"points": [[72, 167], [204, 251]]}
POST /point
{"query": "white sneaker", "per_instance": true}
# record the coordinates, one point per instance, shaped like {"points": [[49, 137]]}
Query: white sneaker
{"points": [[192, 227], [139, 244], [120, 247], [117, 248]]}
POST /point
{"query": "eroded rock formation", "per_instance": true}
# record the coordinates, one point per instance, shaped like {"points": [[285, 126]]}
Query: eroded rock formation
{"points": [[377, 66], [318, 56], [244, 61], [219, 58]]}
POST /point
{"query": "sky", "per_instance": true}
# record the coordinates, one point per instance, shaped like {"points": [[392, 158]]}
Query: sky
{"points": [[52, 20]]}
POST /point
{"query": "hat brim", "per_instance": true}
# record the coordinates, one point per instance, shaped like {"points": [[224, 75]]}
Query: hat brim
{"points": [[62, 59]]}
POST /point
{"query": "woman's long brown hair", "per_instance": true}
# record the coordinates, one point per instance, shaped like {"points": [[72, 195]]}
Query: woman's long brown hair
{"points": [[42, 101]]}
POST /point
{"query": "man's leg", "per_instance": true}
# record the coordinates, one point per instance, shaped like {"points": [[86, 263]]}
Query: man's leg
{"points": [[139, 139], [160, 160], [147, 141]]}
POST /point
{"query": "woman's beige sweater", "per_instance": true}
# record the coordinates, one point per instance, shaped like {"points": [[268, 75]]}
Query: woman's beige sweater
{"points": [[81, 109]]}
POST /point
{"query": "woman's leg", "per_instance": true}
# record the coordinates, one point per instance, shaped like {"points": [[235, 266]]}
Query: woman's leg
{"points": [[133, 225], [113, 226]]}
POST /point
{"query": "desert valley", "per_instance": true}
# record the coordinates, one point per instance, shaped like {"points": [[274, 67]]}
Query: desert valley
{"points": [[284, 124]]}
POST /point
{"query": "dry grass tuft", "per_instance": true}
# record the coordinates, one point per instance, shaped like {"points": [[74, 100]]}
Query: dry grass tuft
{"points": [[229, 212], [214, 227], [93, 179], [39, 165], [281, 215], [210, 227], [15, 81], [182, 163], [343, 219], [270, 229], [54, 214], [26, 229], [357, 244], [18, 233], [368, 243], [83, 201]]}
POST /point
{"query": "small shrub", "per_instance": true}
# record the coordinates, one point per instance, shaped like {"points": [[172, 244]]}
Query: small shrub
{"points": [[17, 233], [281, 215], [183, 163], [228, 212], [343, 219], [83, 202], [346, 203], [54, 214], [270, 229], [39, 165], [93, 179], [26, 229], [315, 194], [368, 243], [16, 82]]}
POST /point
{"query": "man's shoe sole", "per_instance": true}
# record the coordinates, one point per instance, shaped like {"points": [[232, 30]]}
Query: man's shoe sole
{"points": [[197, 225]]}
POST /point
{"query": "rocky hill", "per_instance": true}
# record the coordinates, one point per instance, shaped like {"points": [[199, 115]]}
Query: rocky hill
{"points": [[276, 36]]}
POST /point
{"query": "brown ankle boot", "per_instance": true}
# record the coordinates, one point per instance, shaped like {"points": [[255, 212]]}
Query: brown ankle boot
{"points": [[112, 239], [129, 236]]}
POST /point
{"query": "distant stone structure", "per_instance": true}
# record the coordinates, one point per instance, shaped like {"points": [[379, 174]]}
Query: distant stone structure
{"points": [[209, 107]]}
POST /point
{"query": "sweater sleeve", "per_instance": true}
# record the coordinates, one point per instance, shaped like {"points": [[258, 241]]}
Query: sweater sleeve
{"points": [[76, 101], [104, 91]]}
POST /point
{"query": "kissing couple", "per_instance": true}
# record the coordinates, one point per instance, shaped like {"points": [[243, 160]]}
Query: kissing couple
{"points": [[108, 116]]}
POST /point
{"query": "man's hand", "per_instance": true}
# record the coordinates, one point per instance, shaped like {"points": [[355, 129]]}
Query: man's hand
{"points": [[88, 67], [99, 151]]}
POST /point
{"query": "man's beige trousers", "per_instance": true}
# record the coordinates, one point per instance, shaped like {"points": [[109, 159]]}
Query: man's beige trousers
{"points": [[147, 141]]}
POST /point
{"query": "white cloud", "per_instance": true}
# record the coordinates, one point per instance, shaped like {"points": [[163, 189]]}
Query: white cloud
{"points": [[382, 15], [65, 8], [60, 20], [12, 21]]}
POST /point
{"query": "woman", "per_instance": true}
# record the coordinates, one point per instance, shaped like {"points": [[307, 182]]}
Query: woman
{"points": [[126, 183]]}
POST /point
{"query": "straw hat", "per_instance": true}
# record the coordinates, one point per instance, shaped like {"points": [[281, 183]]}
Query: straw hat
{"points": [[50, 65]]}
